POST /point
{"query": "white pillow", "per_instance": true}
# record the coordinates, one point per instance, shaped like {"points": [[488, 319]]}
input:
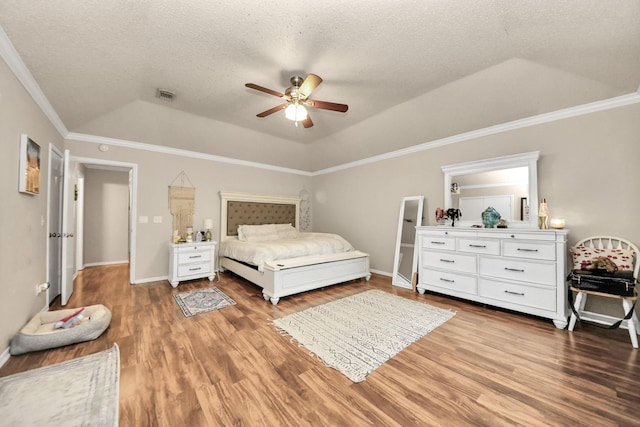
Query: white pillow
{"points": [[257, 233], [287, 231]]}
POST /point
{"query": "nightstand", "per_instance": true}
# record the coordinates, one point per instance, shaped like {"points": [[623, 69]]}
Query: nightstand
{"points": [[189, 261]]}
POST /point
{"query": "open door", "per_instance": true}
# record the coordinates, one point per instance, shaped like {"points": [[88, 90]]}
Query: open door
{"points": [[67, 251], [56, 163]]}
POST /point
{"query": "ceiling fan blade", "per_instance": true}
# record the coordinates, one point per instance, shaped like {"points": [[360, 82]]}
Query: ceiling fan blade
{"points": [[308, 85], [272, 110], [324, 105], [264, 89], [307, 123]]}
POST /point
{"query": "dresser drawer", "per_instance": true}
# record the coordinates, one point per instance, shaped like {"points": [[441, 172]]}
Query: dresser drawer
{"points": [[203, 268], [525, 295], [461, 263], [529, 249], [540, 272], [479, 246], [452, 281], [439, 242]]}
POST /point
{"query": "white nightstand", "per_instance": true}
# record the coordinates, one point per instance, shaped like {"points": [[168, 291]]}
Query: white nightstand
{"points": [[189, 261]]}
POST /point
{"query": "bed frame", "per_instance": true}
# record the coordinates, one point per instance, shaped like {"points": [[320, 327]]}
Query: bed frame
{"points": [[289, 276]]}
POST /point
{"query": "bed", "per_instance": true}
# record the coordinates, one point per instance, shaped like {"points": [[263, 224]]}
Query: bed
{"points": [[294, 269]]}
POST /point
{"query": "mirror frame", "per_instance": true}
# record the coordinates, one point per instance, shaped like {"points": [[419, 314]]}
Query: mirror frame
{"points": [[395, 279], [505, 162]]}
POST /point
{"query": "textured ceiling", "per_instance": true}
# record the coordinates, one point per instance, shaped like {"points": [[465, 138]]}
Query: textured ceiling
{"points": [[93, 57]]}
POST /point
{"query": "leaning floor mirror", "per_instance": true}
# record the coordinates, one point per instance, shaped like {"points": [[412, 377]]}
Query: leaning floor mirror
{"points": [[405, 263]]}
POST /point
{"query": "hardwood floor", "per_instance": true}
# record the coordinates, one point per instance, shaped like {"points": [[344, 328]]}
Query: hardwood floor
{"points": [[231, 367]]}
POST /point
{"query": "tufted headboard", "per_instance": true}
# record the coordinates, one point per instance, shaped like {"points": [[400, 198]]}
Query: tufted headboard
{"points": [[255, 209]]}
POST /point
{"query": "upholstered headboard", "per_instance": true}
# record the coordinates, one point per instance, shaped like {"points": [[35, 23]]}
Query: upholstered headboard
{"points": [[255, 209]]}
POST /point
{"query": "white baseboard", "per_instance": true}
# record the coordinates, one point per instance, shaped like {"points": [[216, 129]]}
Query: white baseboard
{"points": [[4, 357], [150, 279], [97, 264], [382, 273]]}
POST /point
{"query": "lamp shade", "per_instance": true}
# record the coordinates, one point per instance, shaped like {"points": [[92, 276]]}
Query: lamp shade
{"points": [[295, 112], [208, 224]]}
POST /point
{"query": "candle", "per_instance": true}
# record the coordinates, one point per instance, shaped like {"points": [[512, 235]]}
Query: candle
{"points": [[557, 223]]}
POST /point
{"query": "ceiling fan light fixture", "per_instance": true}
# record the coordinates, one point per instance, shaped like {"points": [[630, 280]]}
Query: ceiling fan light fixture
{"points": [[295, 112]]}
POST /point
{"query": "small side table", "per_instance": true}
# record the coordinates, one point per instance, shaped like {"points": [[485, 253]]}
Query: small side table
{"points": [[189, 261]]}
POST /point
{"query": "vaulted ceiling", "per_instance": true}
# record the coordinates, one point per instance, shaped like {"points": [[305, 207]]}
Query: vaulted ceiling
{"points": [[466, 64]]}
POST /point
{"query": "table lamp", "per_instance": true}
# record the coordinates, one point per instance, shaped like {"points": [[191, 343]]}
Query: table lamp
{"points": [[208, 225]]}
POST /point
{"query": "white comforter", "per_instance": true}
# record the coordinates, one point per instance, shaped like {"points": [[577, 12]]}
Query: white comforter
{"points": [[257, 253]]}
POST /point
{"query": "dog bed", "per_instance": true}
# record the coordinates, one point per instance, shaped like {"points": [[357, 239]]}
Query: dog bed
{"points": [[41, 332]]}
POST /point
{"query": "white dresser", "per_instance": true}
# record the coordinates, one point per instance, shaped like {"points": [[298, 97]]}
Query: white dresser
{"points": [[191, 261], [518, 269]]}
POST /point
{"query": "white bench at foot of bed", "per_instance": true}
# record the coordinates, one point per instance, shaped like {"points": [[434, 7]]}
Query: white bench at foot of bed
{"points": [[287, 277]]}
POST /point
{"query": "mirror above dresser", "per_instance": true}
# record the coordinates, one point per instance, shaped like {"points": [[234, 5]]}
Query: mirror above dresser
{"points": [[509, 184]]}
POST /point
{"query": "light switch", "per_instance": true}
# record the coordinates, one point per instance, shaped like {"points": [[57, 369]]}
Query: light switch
{"points": [[143, 219], [157, 220]]}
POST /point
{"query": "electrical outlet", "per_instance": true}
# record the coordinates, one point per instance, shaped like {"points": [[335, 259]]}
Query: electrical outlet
{"points": [[41, 287]]}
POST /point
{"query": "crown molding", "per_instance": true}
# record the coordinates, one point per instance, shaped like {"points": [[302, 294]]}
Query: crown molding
{"points": [[10, 55], [607, 104], [179, 152], [593, 107]]}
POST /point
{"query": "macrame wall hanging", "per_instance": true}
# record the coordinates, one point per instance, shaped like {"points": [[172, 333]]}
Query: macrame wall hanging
{"points": [[182, 204]]}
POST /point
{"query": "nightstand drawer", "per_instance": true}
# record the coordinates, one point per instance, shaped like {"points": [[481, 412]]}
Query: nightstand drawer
{"points": [[191, 269], [194, 256]]}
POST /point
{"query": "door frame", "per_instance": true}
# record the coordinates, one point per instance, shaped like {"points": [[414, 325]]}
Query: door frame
{"points": [[132, 168], [53, 148]]}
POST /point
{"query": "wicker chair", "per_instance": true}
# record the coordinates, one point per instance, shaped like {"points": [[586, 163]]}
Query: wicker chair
{"points": [[605, 242]]}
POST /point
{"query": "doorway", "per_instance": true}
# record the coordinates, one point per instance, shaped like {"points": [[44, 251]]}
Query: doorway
{"points": [[132, 170]]}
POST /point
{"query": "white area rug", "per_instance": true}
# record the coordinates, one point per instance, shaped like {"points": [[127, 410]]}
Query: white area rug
{"points": [[202, 301], [78, 392], [357, 334]]}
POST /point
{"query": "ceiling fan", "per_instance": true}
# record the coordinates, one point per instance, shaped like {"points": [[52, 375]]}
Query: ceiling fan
{"points": [[296, 99]]}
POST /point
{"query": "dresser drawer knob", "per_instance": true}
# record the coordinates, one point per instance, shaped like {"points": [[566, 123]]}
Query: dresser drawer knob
{"points": [[436, 243], [477, 246], [527, 250], [447, 260], [519, 270], [195, 256], [447, 280], [195, 269], [514, 293]]}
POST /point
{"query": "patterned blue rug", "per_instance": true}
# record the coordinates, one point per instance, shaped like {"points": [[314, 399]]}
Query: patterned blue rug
{"points": [[202, 301]]}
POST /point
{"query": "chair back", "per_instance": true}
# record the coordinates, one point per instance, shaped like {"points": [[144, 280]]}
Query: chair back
{"points": [[609, 242]]}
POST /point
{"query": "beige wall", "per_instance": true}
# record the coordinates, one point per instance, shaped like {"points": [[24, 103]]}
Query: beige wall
{"points": [[588, 172], [157, 171], [24, 241], [106, 216]]}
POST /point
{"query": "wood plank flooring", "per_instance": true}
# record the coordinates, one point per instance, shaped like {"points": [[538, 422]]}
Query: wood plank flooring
{"points": [[232, 368]]}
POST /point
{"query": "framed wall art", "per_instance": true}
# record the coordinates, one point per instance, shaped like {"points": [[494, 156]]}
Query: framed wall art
{"points": [[29, 172]]}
